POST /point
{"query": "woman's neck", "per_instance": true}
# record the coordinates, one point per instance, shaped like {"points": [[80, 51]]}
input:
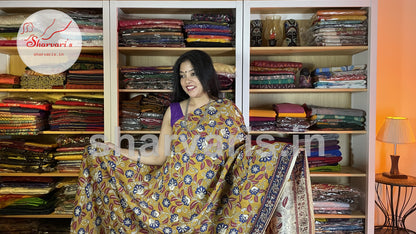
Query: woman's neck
{"points": [[196, 102]]}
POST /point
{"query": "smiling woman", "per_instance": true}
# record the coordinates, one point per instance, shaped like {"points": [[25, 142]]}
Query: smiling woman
{"points": [[208, 182]]}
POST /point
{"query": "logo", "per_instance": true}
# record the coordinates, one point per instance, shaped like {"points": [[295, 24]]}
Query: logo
{"points": [[49, 42]]}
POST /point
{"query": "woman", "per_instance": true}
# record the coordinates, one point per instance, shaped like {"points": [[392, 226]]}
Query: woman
{"points": [[209, 181]]}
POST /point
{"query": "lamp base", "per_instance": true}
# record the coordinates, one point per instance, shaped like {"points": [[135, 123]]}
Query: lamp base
{"points": [[394, 176]]}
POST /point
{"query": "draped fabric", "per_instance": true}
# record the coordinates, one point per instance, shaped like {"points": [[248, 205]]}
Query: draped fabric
{"points": [[197, 190]]}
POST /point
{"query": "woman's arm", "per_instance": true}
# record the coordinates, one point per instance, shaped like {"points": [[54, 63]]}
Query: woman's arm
{"points": [[152, 157]]}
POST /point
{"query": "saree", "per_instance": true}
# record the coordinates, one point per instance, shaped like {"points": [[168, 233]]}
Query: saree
{"points": [[212, 182]]}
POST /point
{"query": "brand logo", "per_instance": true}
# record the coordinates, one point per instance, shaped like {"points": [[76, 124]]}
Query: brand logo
{"points": [[49, 42]]}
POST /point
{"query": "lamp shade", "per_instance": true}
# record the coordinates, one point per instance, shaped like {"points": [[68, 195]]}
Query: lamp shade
{"points": [[396, 130]]}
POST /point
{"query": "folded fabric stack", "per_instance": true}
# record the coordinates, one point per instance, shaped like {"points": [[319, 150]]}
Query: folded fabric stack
{"points": [[66, 195], [21, 156], [262, 119], [291, 117], [324, 157], [90, 23], [144, 111], [151, 33], [33, 80], [273, 75], [158, 77], [338, 27], [23, 116], [77, 113], [9, 27], [69, 152], [334, 199], [209, 30], [338, 119], [26, 195], [346, 226], [86, 73], [26, 226], [226, 75], [344, 77], [9, 81]]}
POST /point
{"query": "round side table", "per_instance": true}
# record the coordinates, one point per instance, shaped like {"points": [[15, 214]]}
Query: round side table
{"points": [[397, 203]]}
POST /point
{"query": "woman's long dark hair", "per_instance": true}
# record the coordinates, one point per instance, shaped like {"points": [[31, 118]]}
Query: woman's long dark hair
{"points": [[204, 69]]}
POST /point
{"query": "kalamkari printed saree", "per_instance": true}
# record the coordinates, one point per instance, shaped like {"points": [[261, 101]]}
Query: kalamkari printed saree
{"points": [[212, 182]]}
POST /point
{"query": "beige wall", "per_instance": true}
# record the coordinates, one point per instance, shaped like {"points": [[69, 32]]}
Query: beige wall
{"points": [[396, 81]]}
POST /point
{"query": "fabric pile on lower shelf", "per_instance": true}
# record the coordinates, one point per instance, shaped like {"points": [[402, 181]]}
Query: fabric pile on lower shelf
{"points": [[333, 118], [9, 27], [226, 75], [69, 152], [24, 156], [90, 24], [9, 81], [86, 73], [344, 77], [67, 189], [144, 111], [151, 33], [344, 226], [209, 30], [338, 27], [273, 75], [27, 195], [290, 117], [156, 77], [77, 113], [23, 116], [322, 151], [33, 80], [335, 199]]}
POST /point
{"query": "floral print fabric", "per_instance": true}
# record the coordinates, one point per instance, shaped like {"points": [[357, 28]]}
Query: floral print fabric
{"points": [[212, 182]]}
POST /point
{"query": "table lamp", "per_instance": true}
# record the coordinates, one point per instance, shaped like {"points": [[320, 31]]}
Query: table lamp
{"points": [[395, 130]]}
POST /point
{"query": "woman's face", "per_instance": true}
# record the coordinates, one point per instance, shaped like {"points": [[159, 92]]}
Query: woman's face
{"points": [[189, 80]]}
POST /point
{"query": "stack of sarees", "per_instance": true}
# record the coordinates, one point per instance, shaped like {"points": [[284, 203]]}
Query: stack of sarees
{"points": [[86, 73], [22, 156], [9, 27], [23, 116], [90, 24], [209, 30], [336, 118], [344, 77], [226, 75], [339, 225], [66, 195], [27, 195], [262, 119], [290, 117], [156, 77], [151, 33], [77, 113], [144, 112], [273, 75], [338, 27], [9, 81], [33, 80], [69, 152]]}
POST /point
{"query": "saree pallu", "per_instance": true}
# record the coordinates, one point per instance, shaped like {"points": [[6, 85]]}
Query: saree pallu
{"points": [[197, 190]]}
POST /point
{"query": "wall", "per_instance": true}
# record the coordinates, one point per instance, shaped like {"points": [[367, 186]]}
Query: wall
{"points": [[396, 76]]}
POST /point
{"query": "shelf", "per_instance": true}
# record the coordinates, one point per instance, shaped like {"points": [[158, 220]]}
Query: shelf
{"points": [[39, 216], [45, 174], [158, 91], [344, 172], [308, 132], [70, 132], [52, 90], [354, 215], [12, 50], [308, 50], [163, 51], [307, 90]]}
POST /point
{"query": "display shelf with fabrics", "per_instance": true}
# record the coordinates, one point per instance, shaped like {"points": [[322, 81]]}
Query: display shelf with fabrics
{"points": [[321, 61], [149, 36]]}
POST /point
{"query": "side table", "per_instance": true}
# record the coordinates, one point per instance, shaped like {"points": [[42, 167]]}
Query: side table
{"points": [[397, 203]]}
